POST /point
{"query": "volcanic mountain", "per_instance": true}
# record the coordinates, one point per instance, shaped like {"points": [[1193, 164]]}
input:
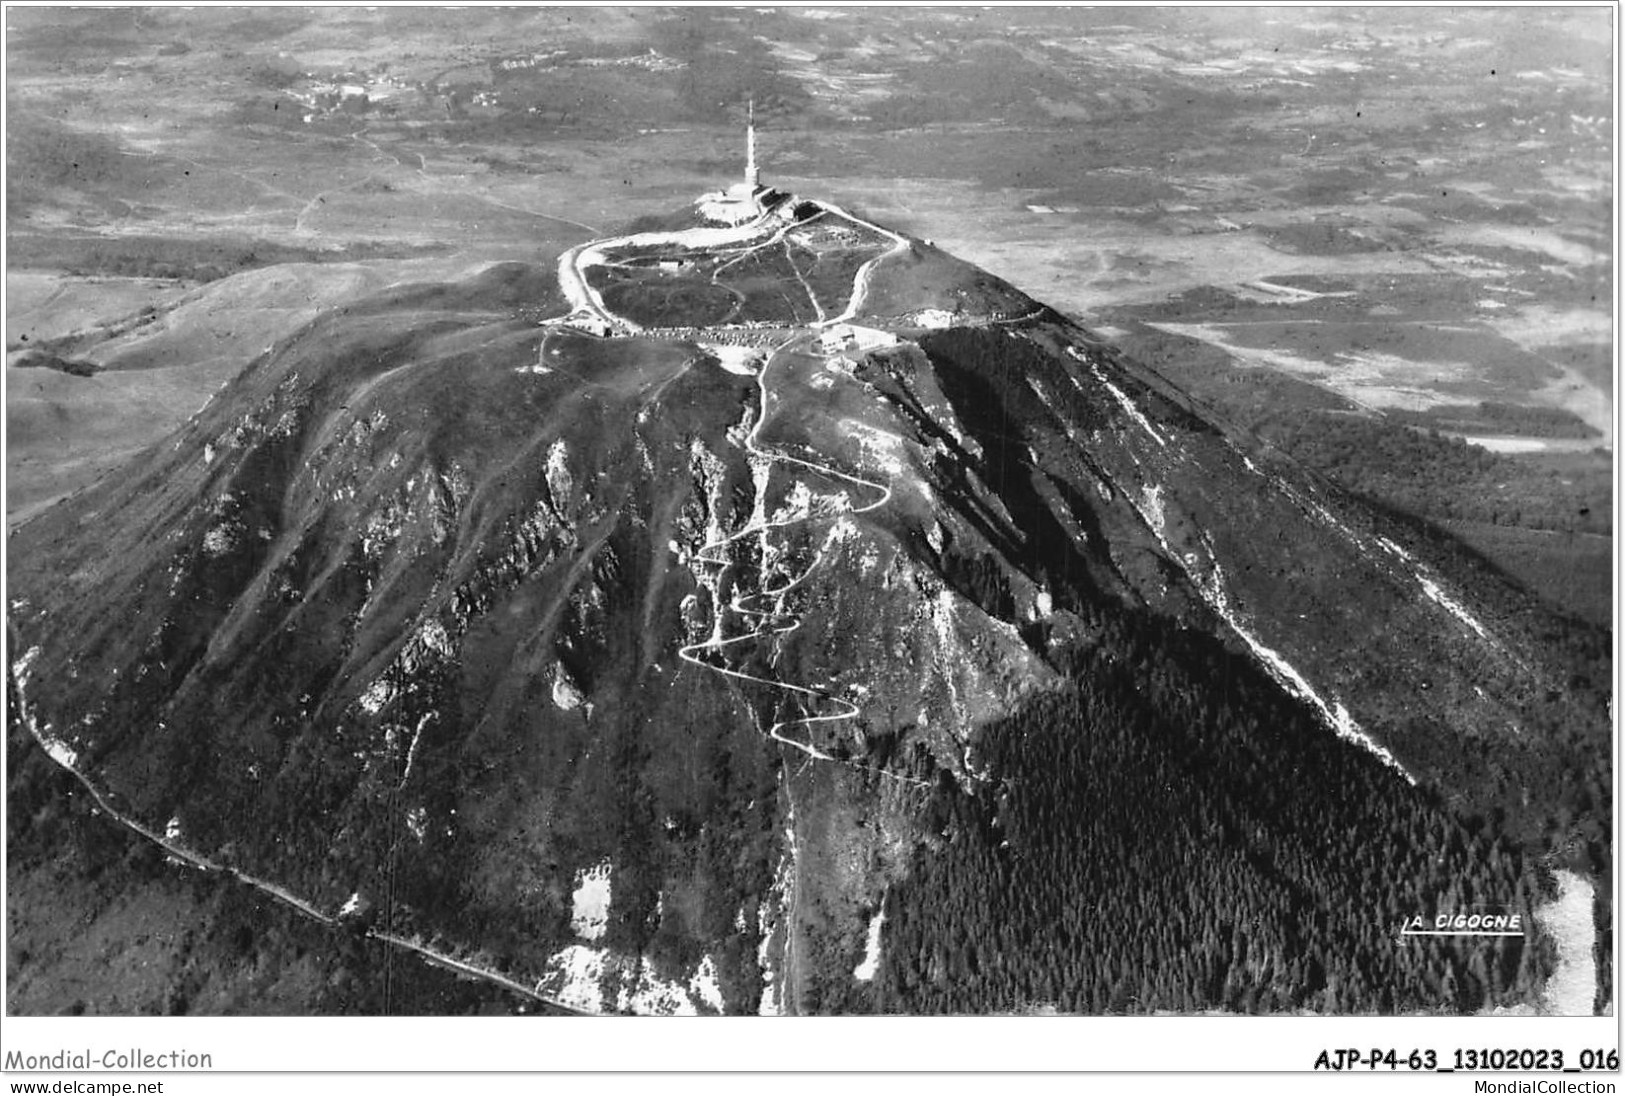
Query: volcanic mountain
{"points": [[799, 620]]}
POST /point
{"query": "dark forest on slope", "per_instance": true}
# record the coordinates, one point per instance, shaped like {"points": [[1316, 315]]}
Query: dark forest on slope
{"points": [[1171, 833]]}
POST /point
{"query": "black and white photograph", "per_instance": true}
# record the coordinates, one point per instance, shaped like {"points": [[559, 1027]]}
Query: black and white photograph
{"points": [[1055, 511]]}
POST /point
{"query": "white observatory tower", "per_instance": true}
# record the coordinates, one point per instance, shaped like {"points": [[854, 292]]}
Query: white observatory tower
{"points": [[753, 174], [742, 201]]}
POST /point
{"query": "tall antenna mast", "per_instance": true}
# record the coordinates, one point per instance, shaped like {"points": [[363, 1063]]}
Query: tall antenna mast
{"points": [[753, 174]]}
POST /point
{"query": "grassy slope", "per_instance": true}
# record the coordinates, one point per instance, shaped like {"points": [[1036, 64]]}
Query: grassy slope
{"points": [[162, 361], [1573, 571]]}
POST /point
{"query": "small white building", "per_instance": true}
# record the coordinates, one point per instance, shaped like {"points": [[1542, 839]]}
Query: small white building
{"points": [[845, 337]]}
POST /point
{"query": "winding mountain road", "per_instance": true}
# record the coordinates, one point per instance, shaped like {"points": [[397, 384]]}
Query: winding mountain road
{"points": [[761, 604], [715, 554]]}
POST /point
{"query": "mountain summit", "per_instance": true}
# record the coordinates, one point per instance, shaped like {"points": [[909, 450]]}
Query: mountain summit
{"points": [[799, 620]]}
